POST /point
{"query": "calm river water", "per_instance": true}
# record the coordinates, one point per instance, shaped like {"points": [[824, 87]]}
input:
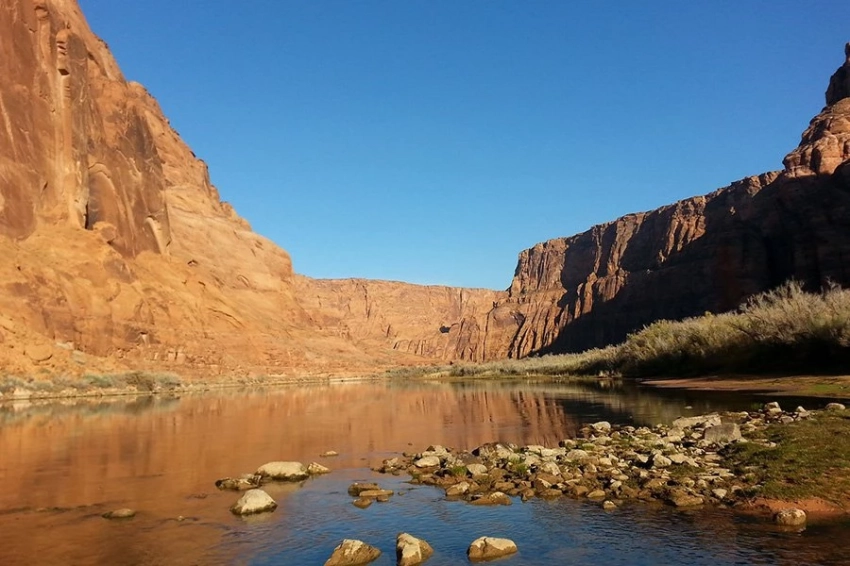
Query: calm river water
{"points": [[63, 464]]}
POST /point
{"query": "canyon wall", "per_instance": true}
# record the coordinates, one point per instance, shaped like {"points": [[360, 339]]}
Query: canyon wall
{"points": [[437, 322], [118, 252], [702, 254]]}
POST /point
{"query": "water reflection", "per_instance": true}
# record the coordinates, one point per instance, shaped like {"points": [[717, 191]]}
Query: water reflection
{"points": [[64, 463]]}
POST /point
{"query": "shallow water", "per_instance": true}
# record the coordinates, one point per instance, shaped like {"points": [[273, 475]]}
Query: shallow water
{"points": [[63, 464]]}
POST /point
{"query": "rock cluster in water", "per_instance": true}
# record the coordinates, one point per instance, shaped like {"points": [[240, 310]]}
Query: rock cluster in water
{"points": [[682, 464], [255, 500]]}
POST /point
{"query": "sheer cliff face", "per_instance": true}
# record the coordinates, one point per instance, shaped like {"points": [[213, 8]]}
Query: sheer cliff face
{"points": [[118, 252], [114, 241], [701, 254]]}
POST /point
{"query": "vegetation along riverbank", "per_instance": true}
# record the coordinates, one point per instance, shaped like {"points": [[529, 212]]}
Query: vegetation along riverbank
{"points": [[786, 331], [770, 459]]}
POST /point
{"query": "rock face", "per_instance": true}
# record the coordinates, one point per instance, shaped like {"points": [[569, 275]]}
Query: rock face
{"points": [[116, 245], [434, 321], [705, 253]]}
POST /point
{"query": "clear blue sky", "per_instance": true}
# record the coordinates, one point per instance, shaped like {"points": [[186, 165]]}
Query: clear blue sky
{"points": [[431, 141]]}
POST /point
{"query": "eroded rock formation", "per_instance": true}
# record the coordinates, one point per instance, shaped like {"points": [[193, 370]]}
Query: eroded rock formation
{"points": [[705, 253], [434, 321]]}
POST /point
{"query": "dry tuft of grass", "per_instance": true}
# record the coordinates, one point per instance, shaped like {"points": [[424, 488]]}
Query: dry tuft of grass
{"points": [[786, 330]]}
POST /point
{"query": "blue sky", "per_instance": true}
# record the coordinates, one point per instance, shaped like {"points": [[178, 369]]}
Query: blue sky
{"points": [[431, 141]]}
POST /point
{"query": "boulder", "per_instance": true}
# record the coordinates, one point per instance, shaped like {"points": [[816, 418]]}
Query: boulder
{"points": [[700, 420], [329, 454], [357, 488], [495, 498], [375, 493], [772, 408], [427, 462], [835, 407], [601, 427], [410, 550], [476, 469], [283, 471], [238, 484], [315, 469], [722, 434], [681, 498], [254, 501], [609, 505], [488, 548], [362, 502], [123, 513], [457, 489], [351, 552], [790, 518]]}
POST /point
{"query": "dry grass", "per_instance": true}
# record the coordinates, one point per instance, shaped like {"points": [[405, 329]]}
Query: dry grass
{"points": [[785, 330]]}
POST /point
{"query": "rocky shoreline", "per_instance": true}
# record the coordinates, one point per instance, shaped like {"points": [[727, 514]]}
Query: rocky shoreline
{"points": [[685, 464]]}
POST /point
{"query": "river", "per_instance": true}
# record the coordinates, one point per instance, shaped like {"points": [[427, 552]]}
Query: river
{"points": [[63, 464]]}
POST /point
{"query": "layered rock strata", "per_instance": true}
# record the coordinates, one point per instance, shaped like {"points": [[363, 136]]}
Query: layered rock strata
{"points": [[702, 254]]}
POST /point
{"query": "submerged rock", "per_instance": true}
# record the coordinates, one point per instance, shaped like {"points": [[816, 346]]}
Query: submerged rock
{"points": [[124, 513], [254, 501], [357, 488], [488, 548], [495, 498], [411, 551], [362, 502], [790, 518], [239, 484], [352, 552]]}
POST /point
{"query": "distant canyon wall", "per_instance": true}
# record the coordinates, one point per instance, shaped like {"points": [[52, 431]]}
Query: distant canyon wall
{"points": [[433, 321], [702, 254]]}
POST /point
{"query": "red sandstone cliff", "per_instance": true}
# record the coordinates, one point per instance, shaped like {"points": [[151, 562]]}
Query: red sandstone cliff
{"points": [[117, 251], [434, 321], [705, 253]]}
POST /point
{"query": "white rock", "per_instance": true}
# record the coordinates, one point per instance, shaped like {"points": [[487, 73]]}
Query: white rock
{"points": [[284, 471], [835, 407], [427, 462], [254, 501]]}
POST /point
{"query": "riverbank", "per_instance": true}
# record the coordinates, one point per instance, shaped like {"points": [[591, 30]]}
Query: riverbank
{"points": [[765, 460]]}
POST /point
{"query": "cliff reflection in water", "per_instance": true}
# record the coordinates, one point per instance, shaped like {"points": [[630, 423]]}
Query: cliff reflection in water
{"points": [[65, 463]]}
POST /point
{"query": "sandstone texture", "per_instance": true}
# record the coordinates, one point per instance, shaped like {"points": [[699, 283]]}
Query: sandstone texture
{"points": [[702, 254], [438, 322], [118, 252]]}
